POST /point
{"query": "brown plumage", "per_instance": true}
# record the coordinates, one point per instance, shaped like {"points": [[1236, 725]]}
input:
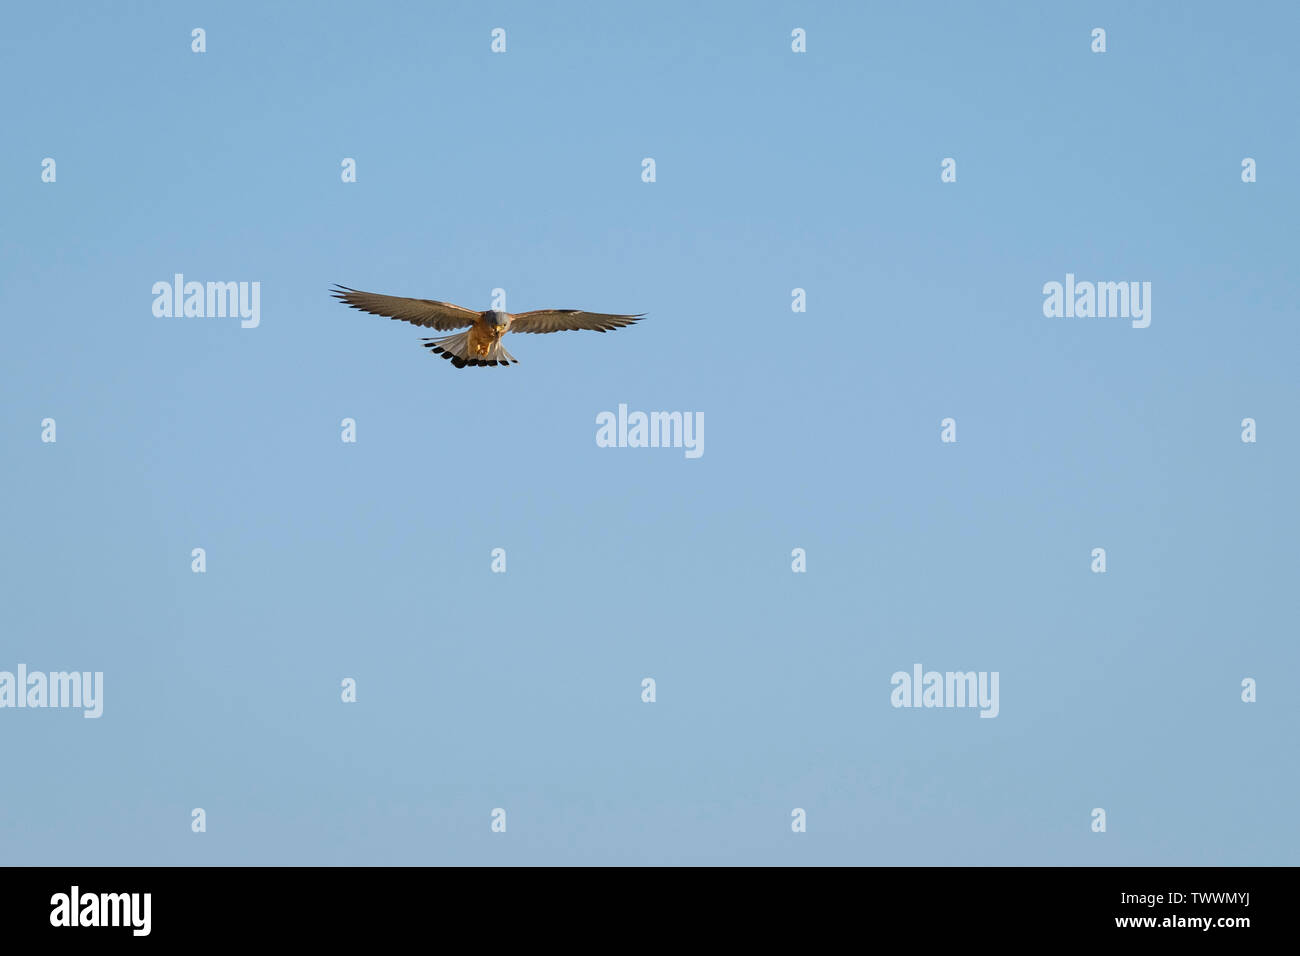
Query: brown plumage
{"points": [[481, 344]]}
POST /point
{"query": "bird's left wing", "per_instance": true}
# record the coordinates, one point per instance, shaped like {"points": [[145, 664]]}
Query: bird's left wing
{"points": [[429, 313], [570, 320]]}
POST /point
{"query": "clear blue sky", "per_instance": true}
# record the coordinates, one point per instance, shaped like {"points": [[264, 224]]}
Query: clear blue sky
{"points": [[775, 170]]}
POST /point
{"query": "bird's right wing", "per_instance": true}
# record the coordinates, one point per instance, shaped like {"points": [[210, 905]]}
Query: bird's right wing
{"points": [[426, 312]]}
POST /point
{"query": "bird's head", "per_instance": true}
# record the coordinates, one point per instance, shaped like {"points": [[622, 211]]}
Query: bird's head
{"points": [[498, 319]]}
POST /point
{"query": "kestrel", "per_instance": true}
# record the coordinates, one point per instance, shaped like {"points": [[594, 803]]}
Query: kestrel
{"points": [[480, 344]]}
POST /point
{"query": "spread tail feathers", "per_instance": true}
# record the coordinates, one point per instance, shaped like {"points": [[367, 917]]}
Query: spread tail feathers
{"points": [[455, 348]]}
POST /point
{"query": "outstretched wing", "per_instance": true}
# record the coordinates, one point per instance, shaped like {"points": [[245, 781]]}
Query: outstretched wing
{"points": [[570, 320], [426, 312]]}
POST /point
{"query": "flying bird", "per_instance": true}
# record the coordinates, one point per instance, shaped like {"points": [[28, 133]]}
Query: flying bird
{"points": [[480, 344]]}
